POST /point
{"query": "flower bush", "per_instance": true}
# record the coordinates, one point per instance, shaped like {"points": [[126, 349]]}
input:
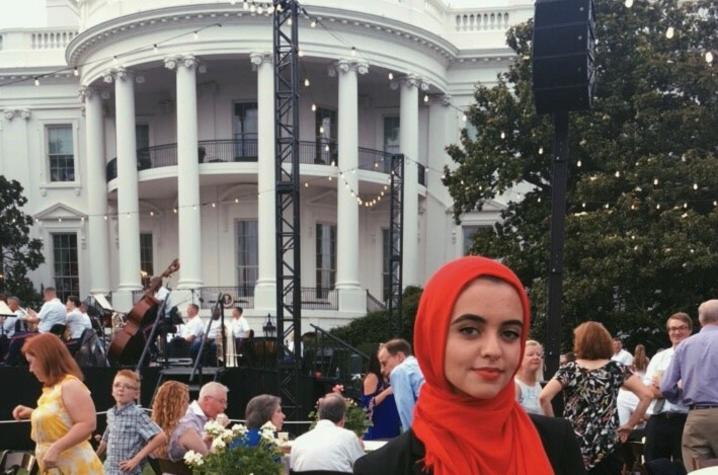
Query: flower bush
{"points": [[264, 458], [356, 419]]}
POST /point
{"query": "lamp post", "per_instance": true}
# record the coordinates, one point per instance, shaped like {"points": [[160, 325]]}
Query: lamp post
{"points": [[270, 331]]}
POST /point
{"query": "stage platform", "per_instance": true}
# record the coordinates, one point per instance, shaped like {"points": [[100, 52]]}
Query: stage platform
{"points": [[19, 386]]}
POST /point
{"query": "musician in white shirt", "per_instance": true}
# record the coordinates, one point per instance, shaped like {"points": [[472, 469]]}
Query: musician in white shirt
{"points": [[52, 313], [240, 325], [8, 326], [77, 322]]}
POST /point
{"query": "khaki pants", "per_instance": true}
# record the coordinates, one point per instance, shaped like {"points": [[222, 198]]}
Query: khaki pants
{"points": [[700, 436]]}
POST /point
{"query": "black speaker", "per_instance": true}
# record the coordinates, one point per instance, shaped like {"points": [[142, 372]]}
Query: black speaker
{"points": [[563, 53]]}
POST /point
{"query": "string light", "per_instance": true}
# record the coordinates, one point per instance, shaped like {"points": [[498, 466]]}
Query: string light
{"points": [[709, 57], [670, 32], [195, 34], [695, 186], [628, 3], [618, 174], [75, 72], [391, 76], [503, 135], [655, 182], [314, 107], [155, 48], [540, 151], [313, 24], [354, 51], [426, 98], [579, 164], [37, 81], [306, 82]]}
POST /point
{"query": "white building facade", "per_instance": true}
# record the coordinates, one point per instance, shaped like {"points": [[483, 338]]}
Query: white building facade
{"points": [[156, 141]]}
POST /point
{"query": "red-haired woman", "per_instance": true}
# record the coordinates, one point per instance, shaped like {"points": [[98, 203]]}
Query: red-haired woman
{"points": [[469, 338], [65, 415], [591, 384]]}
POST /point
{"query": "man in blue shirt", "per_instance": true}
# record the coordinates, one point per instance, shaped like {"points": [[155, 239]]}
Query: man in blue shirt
{"points": [[691, 378], [404, 375]]}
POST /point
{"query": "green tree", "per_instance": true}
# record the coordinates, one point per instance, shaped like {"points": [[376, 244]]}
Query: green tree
{"points": [[18, 252], [641, 210]]}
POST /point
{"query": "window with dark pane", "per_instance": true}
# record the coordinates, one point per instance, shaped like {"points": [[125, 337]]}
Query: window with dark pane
{"points": [[326, 133], [245, 127], [66, 269], [60, 153], [326, 258], [247, 257], [147, 254]]}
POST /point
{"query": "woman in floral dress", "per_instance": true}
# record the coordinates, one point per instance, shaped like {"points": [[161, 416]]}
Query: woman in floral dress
{"points": [[591, 385], [65, 415]]}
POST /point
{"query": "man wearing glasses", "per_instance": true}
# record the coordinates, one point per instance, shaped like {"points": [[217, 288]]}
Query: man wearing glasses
{"points": [[189, 433], [665, 425], [691, 378]]}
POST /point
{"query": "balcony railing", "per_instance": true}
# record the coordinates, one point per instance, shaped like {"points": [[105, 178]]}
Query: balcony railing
{"points": [[319, 152], [318, 298], [241, 296]]}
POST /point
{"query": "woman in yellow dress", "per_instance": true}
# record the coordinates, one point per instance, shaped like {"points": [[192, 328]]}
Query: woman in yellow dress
{"points": [[65, 416]]}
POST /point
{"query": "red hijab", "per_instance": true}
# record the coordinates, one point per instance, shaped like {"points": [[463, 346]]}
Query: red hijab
{"points": [[465, 435]]}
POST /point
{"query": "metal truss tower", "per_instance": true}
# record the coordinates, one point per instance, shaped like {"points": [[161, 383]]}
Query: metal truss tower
{"points": [[396, 240], [286, 128]]}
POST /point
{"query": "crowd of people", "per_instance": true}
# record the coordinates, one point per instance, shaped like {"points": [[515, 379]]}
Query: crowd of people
{"points": [[468, 397]]}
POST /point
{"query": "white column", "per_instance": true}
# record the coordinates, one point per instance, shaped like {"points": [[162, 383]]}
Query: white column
{"points": [[439, 241], [351, 297], [265, 290], [188, 193], [128, 217], [98, 234], [409, 143]]}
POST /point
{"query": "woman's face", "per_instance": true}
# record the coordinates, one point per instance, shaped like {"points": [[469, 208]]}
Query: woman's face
{"points": [[483, 345], [533, 358], [34, 366], [278, 418]]}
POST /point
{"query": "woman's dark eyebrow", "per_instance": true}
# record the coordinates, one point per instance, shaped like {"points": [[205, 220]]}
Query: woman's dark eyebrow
{"points": [[481, 320]]}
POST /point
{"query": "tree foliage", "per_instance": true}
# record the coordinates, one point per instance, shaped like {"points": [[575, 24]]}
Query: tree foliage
{"points": [[18, 252], [641, 210]]}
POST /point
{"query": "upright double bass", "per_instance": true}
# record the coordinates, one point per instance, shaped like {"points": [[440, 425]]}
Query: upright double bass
{"points": [[129, 341]]}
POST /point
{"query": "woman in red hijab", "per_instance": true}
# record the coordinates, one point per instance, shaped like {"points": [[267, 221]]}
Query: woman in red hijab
{"points": [[471, 326]]}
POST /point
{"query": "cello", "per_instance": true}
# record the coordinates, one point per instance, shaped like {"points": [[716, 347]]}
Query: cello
{"points": [[129, 341]]}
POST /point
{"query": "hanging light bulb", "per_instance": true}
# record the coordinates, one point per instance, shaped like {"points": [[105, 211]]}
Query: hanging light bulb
{"points": [[260, 11], [540, 150], [314, 107], [426, 98], [155, 48], [658, 206], [245, 5], [300, 53], [75, 72], [354, 51], [606, 206], [214, 205], [306, 184], [174, 210], [655, 182], [105, 217], [583, 205], [37, 81], [709, 57], [503, 135], [236, 200], [464, 118], [289, 22], [313, 24], [670, 32], [685, 205], [618, 174], [195, 34], [391, 76], [628, 3], [695, 186], [306, 82], [321, 129], [579, 164]]}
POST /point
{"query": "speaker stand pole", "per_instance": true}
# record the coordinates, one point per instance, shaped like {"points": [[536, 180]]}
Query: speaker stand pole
{"points": [[559, 176]]}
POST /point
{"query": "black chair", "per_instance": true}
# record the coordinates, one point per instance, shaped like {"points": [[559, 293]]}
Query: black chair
{"points": [[58, 330], [11, 462]]}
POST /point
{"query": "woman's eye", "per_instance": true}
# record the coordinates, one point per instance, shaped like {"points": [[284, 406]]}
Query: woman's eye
{"points": [[511, 335], [469, 331]]}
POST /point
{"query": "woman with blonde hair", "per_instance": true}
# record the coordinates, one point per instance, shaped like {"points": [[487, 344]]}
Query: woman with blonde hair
{"points": [[528, 379], [591, 384], [168, 407], [65, 416]]}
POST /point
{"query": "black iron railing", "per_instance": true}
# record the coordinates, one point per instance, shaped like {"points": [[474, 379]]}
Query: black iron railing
{"points": [[319, 298], [319, 152]]}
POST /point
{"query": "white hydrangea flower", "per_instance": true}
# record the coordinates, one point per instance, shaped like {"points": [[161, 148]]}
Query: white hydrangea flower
{"points": [[268, 426], [218, 444], [239, 430], [193, 458], [213, 428]]}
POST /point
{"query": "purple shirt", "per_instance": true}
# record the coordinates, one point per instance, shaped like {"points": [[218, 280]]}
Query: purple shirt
{"points": [[694, 364]]}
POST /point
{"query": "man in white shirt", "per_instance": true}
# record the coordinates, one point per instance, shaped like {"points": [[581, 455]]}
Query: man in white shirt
{"points": [[240, 325], [405, 376], [52, 313], [8, 327], [665, 425], [329, 446], [77, 322], [619, 354]]}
